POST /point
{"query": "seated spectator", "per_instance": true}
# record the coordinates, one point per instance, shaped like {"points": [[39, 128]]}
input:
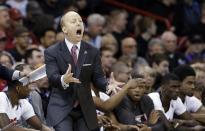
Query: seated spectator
{"points": [[15, 107], [136, 108], [16, 18], [39, 98], [148, 74], [6, 60], [129, 52], [176, 58], [160, 64], [20, 5], [110, 42], [47, 38], [155, 46], [107, 60], [148, 29], [95, 23], [3, 40], [60, 37], [193, 105], [118, 22], [106, 104], [34, 57], [121, 72], [22, 41]]}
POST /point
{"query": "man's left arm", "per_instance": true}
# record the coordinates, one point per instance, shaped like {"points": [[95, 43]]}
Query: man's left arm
{"points": [[197, 109], [98, 77], [37, 124], [199, 115]]}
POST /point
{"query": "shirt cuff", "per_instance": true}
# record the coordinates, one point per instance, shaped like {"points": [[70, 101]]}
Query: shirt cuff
{"points": [[64, 85], [16, 75]]}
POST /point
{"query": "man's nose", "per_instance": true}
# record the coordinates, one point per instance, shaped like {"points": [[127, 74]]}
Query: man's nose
{"points": [[192, 86]]}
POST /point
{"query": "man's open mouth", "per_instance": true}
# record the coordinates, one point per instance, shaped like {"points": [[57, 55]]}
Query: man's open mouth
{"points": [[79, 31]]}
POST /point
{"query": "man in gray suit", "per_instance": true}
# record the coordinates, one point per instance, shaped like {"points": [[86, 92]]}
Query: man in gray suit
{"points": [[71, 66]]}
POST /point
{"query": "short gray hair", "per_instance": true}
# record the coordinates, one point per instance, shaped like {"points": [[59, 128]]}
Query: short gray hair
{"points": [[95, 18], [155, 41]]}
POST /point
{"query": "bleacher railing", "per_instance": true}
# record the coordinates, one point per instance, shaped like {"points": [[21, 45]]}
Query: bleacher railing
{"points": [[138, 11]]}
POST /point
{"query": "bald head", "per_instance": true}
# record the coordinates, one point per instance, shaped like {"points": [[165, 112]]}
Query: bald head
{"points": [[170, 41], [168, 34], [72, 26], [128, 46], [67, 15]]}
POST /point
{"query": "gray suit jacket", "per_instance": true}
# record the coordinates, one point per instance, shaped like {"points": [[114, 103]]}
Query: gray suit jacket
{"points": [[88, 69]]}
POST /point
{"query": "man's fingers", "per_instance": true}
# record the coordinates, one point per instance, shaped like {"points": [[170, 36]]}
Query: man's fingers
{"points": [[112, 76], [109, 91], [119, 83], [118, 88], [69, 69], [75, 80]]}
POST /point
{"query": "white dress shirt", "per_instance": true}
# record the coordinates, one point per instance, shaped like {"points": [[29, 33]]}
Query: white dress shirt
{"points": [[70, 45]]}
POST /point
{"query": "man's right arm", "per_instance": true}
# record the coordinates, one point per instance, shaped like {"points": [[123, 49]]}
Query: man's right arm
{"points": [[52, 70], [4, 124]]}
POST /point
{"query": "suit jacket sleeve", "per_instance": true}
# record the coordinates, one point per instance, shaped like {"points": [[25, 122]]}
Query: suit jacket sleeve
{"points": [[98, 78], [6, 73], [52, 70]]}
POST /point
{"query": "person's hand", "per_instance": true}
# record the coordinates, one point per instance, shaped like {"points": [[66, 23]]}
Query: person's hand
{"points": [[112, 127], [45, 128], [144, 127], [132, 128], [68, 76], [198, 128], [153, 117], [103, 120], [177, 123], [113, 86], [23, 73], [132, 82], [190, 123], [27, 129], [107, 123]]}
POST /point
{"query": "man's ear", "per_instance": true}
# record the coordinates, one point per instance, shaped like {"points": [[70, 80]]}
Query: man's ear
{"points": [[42, 39], [64, 30]]}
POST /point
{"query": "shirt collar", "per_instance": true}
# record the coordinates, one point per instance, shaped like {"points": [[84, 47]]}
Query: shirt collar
{"points": [[70, 45]]}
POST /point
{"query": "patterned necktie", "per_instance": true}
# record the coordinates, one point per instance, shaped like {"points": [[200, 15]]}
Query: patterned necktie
{"points": [[74, 53], [75, 59]]}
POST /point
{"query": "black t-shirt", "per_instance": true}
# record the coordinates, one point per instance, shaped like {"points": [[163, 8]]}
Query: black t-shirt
{"points": [[142, 46], [129, 113], [17, 56]]}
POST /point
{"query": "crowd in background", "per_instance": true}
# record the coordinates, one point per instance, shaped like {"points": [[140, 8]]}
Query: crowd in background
{"points": [[131, 46]]}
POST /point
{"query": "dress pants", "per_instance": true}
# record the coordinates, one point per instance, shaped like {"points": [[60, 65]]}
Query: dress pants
{"points": [[73, 122]]}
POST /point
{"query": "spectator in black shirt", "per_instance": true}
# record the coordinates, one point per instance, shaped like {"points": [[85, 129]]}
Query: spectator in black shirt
{"points": [[169, 40], [136, 108], [148, 29], [22, 41]]}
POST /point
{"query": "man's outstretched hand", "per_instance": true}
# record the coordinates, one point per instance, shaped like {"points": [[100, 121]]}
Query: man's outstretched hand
{"points": [[114, 86], [68, 77]]}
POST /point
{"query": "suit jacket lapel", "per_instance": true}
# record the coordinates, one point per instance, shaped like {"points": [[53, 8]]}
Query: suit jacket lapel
{"points": [[65, 53], [81, 58]]}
